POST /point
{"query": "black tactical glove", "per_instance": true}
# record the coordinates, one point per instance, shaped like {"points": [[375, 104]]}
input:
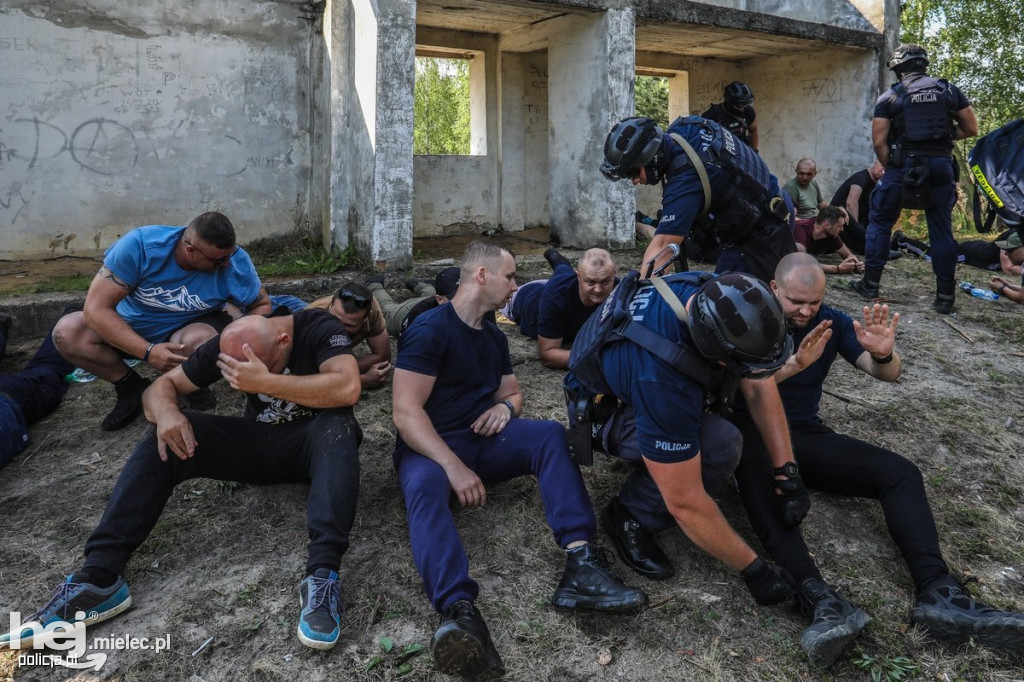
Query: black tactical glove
{"points": [[792, 502], [768, 583]]}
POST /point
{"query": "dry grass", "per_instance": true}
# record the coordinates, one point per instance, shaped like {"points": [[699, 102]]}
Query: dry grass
{"points": [[225, 561]]}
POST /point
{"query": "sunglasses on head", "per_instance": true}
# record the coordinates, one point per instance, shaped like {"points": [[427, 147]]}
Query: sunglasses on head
{"points": [[358, 301]]}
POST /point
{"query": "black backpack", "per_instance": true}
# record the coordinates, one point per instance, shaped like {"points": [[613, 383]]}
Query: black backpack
{"points": [[997, 169]]}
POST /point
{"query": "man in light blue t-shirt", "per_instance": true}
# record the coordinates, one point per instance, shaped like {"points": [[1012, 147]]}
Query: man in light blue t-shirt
{"points": [[159, 295]]}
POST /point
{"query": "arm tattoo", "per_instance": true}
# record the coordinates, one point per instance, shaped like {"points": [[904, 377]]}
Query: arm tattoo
{"points": [[108, 274]]}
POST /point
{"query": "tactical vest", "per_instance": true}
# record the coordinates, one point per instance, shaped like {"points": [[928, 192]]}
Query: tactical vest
{"points": [[926, 112], [716, 146], [734, 123], [613, 321]]}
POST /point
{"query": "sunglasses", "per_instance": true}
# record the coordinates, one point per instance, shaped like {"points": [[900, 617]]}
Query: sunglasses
{"points": [[215, 261], [358, 301]]}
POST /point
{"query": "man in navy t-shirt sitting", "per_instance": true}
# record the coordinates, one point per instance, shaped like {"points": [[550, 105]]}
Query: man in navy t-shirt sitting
{"points": [[553, 310], [456, 403], [839, 464]]}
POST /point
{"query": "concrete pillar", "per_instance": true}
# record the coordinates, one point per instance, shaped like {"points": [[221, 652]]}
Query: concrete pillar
{"points": [[511, 166], [391, 241], [478, 98], [369, 188], [678, 95], [591, 73]]}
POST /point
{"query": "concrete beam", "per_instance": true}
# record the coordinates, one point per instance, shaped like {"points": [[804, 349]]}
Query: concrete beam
{"points": [[704, 14]]}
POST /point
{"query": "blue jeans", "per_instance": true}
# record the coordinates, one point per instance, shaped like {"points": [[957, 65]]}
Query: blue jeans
{"points": [[525, 447]]}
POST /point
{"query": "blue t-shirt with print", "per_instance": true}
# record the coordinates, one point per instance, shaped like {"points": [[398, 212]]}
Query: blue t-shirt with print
{"points": [[669, 405], [164, 296], [467, 364]]}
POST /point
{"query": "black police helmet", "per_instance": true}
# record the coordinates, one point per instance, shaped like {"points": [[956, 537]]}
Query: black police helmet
{"points": [[735, 319], [907, 56], [632, 144], [738, 93]]}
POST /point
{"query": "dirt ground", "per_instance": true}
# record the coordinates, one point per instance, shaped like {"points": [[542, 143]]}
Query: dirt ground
{"points": [[225, 560]]}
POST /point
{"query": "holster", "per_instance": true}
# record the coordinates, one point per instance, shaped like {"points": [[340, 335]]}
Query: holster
{"points": [[580, 434], [917, 191]]}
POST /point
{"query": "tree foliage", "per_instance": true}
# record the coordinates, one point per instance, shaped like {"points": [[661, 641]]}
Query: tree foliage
{"points": [[977, 45], [652, 98], [441, 123]]}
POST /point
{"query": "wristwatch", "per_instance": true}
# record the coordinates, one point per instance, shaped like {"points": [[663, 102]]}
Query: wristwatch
{"points": [[789, 470], [511, 408]]}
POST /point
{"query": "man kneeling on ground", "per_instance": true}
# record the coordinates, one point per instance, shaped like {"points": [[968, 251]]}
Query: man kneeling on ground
{"points": [[301, 381]]}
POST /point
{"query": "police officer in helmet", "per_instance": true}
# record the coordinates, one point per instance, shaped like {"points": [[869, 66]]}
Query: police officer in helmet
{"points": [[736, 114], [914, 126], [663, 414], [707, 176]]}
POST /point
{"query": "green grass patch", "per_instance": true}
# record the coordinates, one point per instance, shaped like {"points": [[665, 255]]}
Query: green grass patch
{"points": [[68, 283], [297, 254]]}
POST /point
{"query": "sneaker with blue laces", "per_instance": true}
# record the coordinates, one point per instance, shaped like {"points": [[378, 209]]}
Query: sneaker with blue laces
{"points": [[73, 601], [320, 620]]}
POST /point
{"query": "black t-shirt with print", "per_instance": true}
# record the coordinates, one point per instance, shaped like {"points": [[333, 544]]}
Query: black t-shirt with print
{"points": [[318, 336]]}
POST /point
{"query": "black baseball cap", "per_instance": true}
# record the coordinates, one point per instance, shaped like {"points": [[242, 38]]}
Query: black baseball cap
{"points": [[447, 282]]}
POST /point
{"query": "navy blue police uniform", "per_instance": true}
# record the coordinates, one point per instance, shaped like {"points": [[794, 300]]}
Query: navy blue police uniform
{"points": [[752, 217], [920, 110]]}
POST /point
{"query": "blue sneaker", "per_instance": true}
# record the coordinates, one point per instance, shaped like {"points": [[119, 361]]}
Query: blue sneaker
{"points": [[72, 602], [320, 620]]}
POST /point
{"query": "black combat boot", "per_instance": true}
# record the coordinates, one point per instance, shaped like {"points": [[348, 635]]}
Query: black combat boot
{"points": [[868, 286], [462, 645], [635, 546], [945, 295], [588, 584], [836, 622]]}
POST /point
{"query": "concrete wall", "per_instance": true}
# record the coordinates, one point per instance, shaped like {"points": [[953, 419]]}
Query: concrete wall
{"points": [[816, 104], [456, 194], [118, 114]]}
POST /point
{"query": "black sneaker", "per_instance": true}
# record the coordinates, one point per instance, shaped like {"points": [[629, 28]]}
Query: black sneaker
{"points": [[949, 614], [635, 546], [128, 406], [462, 645], [895, 254], [375, 279], [411, 284], [943, 304], [320, 620], [835, 624], [588, 584], [554, 258], [74, 601], [866, 289], [201, 400]]}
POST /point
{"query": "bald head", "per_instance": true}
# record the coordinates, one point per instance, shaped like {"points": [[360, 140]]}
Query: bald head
{"points": [[596, 275], [805, 171], [262, 335], [799, 285]]}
